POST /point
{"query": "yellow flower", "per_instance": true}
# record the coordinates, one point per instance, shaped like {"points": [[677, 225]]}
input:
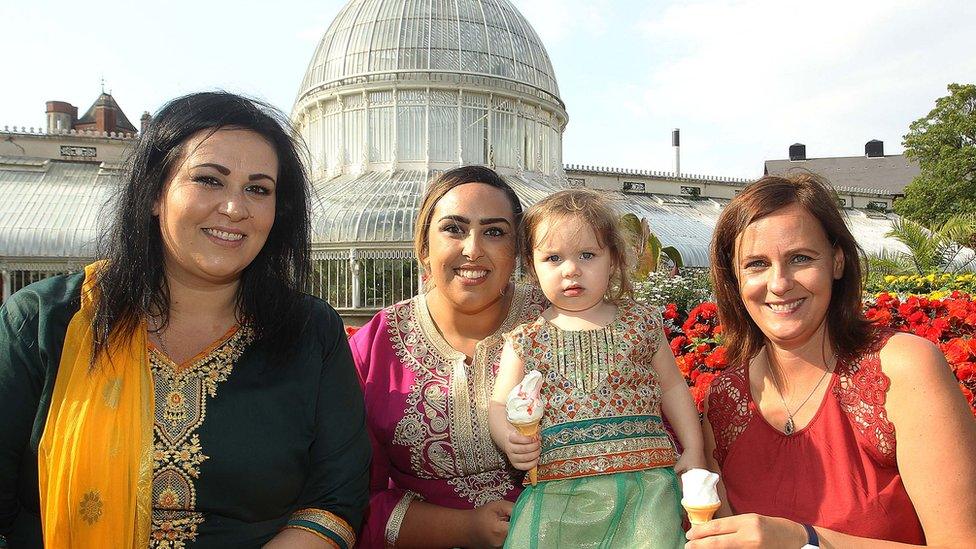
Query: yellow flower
{"points": [[890, 278]]}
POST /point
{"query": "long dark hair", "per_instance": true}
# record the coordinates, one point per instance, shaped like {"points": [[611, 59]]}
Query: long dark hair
{"points": [[849, 330], [131, 285]]}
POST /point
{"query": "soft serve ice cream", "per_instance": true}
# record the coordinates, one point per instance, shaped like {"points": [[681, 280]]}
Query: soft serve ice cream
{"points": [[699, 494], [524, 407], [524, 403]]}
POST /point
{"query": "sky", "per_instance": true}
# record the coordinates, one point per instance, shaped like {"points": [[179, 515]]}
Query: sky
{"points": [[742, 79]]}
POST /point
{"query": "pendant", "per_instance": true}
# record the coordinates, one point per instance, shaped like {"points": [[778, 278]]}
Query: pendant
{"points": [[789, 428]]}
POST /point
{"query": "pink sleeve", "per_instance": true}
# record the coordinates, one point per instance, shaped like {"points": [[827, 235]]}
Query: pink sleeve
{"points": [[387, 505]]}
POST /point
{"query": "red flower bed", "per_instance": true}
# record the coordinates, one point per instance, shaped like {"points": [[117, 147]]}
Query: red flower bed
{"points": [[696, 337]]}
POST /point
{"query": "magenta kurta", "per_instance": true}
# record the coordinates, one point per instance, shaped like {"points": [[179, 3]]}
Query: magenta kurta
{"points": [[427, 414]]}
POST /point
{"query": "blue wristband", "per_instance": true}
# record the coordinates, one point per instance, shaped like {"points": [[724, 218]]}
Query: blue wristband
{"points": [[812, 538]]}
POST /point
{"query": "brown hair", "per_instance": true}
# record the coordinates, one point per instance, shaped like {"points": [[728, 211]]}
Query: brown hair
{"points": [[441, 185], [849, 330], [590, 208]]}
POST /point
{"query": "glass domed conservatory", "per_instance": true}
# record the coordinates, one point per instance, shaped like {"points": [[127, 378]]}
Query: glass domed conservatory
{"points": [[396, 92], [399, 90]]}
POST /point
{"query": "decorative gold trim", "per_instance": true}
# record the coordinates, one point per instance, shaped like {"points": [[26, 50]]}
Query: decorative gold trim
{"points": [[396, 518], [322, 521], [180, 409]]}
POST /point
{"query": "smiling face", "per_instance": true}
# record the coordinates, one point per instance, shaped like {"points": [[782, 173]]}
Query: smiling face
{"points": [[572, 267], [217, 206], [471, 246], [786, 266]]}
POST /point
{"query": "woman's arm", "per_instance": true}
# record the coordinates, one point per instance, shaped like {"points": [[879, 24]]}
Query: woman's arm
{"points": [[936, 439], [336, 489], [428, 526], [678, 406], [22, 378]]}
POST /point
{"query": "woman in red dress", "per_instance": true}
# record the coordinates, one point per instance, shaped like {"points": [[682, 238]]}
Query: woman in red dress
{"points": [[829, 431]]}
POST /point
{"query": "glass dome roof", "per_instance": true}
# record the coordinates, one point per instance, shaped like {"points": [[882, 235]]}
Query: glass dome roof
{"points": [[474, 37]]}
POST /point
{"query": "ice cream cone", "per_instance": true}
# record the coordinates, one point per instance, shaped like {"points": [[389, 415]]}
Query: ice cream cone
{"points": [[530, 429], [700, 514]]}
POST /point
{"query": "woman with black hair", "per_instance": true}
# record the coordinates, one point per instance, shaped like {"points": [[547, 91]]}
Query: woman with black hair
{"points": [[182, 391]]}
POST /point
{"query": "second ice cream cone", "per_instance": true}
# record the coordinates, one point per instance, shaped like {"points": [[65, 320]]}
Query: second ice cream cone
{"points": [[530, 429]]}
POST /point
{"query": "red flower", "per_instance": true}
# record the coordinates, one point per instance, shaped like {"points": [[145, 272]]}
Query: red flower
{"points": [[350, 330], [700, 390], [716, 360], [670, 312], [957, 350], [966, 372], [686, 364], [678, 344]]}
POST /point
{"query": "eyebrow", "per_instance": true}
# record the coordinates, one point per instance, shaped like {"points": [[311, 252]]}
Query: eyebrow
{"points": [[805, 251], [482, 221], [226, 171]]}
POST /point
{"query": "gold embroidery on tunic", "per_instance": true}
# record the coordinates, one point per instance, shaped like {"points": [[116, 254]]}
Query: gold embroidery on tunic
{"points": [[445, 425], [180, 410], [602, 393]]}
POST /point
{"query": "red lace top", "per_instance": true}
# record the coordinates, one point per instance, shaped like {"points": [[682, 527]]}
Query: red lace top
{"points": [[838, 472]]}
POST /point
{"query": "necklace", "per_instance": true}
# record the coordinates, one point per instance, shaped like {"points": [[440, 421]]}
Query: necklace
{"points": [[790, 427]]}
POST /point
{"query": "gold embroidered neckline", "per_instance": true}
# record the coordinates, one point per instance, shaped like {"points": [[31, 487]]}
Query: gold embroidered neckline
{"points": [[197, 359], [430, 332]]}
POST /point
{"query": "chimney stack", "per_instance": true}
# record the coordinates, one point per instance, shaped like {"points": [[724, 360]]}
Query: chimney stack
{"points": [[874, 149], [798, 151], [144, 122], [61, 116], [676, 145]]}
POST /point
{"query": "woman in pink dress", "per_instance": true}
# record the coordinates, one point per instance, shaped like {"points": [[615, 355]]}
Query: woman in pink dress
{"points": [[427, 366], [827, 430]]}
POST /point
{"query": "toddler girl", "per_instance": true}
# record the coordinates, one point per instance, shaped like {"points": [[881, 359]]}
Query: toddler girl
{"points": [[606, 473]]}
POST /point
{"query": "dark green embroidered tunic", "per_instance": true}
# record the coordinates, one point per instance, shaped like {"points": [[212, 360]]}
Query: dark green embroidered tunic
{"points": [[243, 439]]}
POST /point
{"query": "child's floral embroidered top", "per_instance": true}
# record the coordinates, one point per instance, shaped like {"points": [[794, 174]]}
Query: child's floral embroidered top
{"points": [[603, 400]]}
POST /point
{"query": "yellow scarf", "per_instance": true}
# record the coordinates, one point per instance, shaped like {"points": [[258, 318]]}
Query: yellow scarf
{"points": [[95, 457]]}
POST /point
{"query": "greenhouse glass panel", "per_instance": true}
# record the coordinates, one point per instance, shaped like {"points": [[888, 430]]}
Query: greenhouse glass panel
{"points": [[411, 133], [444, 134], [474, 135], [381, 134]]}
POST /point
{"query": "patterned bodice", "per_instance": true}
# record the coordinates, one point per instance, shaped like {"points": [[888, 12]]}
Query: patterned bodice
{"points": [[860, 391], [603, 400], [445, 423]]}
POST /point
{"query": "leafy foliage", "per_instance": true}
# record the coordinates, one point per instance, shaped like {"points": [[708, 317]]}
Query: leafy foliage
{"points": [[649, 253], [944, 145], [934, 249]]}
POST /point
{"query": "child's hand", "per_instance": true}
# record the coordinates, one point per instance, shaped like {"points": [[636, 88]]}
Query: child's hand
{"points": [[522, 451], [690, 460]]}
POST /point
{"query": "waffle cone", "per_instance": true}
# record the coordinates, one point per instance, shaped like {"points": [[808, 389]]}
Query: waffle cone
{"points": [[700, 514], [530, 429]]}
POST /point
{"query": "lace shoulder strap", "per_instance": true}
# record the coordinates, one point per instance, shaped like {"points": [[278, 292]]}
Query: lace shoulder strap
{"points": [[862, 390], [728, 409]]}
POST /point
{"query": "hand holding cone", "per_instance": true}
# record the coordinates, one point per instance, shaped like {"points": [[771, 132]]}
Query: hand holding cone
{"points": [[530, 430]]}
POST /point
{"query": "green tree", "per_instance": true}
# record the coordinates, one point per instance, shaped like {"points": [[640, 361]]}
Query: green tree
{"points": [[944, 145]]}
